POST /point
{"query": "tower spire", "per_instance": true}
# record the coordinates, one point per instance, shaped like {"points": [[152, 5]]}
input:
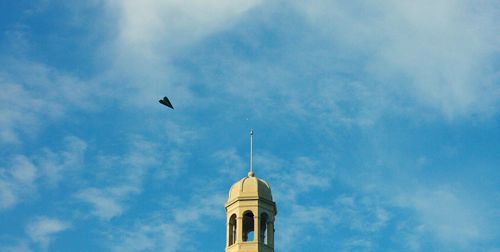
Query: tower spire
{"points": [[251, 212], [251, 174]]}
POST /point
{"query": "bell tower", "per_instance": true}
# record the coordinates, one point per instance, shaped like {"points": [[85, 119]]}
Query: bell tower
{"points": [[250, 211]]}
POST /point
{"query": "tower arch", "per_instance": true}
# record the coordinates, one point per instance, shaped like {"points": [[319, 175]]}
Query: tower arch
{"points": [[231, 230], [264, 228], [248, 226]]}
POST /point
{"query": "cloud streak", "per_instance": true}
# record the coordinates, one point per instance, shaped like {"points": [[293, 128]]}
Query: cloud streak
{"points": [[36, 94], [17, 181], [440, 50], [25, 176], [44, 229]]}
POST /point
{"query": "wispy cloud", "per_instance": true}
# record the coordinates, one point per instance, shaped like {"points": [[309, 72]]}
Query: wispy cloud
{"points": [[231, 163], [294, 177], [44, 229], [122, 176], [363, 214], [201, 207], [148, 237], [433, 54], [26, 175], [17, 181], [161, 233], [35, 94], [299, 218], [180, 134], [63, 163], [451, 218], [144, 26], [357, 245], [150, 33], [19, 247], [106, 202]]}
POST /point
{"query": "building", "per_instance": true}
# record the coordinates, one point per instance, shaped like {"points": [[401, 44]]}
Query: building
{"points": [[250, 214]]}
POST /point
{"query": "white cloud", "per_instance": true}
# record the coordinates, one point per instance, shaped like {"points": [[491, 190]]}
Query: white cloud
{"points": [[19, 247], [61, 164], [451, 218], [24, 177], [17, 181], [160, 233], [142, 155], [149, 33], [232, 164], [23, 171], [202, 207], [396, 58], [148, 237], [304, 222], [106, 202], [122, 176], [421, 214], [8, 197], [359, 244], [21, 115], [175, 163], [43, 229], [436, 55], [363, 214], [294, 177], [181, 135], [299, 218], [34, 94], [153, 24]]}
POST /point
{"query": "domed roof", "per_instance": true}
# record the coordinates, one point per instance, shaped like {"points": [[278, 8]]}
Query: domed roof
{"points": [[250, 187]]}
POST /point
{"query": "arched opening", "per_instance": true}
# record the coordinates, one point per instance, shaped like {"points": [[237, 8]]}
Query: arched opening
{"points": [[248, 226], [264, 220], [232, 230]]}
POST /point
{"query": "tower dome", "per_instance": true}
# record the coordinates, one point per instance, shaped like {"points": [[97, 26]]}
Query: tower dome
{"points": [[250, 187]]}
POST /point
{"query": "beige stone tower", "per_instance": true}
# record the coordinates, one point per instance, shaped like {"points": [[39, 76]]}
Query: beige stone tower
{"points": [[250, 211]]}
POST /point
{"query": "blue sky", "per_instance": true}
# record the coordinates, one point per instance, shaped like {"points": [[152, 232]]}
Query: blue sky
{"points": [[376, 124]]}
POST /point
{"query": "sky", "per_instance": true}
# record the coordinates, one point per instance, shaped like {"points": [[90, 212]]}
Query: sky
{"points": [[376, 123]]}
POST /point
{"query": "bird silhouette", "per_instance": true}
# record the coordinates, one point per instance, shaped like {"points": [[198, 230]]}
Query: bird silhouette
{"points": [[166, 102]]}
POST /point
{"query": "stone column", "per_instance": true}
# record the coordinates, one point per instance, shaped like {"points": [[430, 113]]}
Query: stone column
{"points": [[228, 230], [256, 226], [239, 229], [270, 233]]}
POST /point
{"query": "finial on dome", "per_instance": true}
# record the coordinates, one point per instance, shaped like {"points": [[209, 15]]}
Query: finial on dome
{"points": [[250, 174]]}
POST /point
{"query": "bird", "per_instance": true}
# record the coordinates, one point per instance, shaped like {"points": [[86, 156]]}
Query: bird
{"points": [[166, 102]]}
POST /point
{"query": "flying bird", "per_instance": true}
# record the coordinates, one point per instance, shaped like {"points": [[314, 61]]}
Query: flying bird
{"points": [[166, 102]]}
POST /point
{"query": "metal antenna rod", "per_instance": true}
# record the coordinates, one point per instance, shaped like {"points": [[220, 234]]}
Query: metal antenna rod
{"points": [[251, 143]]}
